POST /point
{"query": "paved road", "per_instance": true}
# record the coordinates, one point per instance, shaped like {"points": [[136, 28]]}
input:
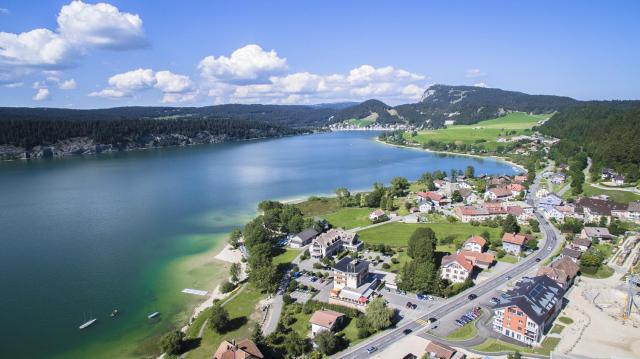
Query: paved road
{"points": [[385, 339]]}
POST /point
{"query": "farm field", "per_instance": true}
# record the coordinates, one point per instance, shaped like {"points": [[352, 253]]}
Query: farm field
{"points": [[486, 132]]}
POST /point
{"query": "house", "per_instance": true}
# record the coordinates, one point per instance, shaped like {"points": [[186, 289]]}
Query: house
{"points": [[426, 207], [581, 244], [325, 320], [434, 197], [513, 243], [563, 271], [377, 215], [468, 196], [594, 209], [542, 192], [498, 194], [478, 259], [633, 211], [520, 179], [607, 173], [303, 238], [549, 201], [332, 241], [440, 183], [571, 254], [411, 218], [475, 244], [599, 233], [244, 349], [479, 213], [516, 189], [558, 178], [350, 272], [455, 268], [528, 310], [618, 180], [437, 350]]}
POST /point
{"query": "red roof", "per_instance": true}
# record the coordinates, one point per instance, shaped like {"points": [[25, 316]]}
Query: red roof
{"points": [[501, 192], [513, 238], [516, 187], [460, 258], [434, 196], [515, 210], [477, 239]]}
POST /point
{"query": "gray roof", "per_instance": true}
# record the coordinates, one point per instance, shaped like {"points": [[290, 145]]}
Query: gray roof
{"points": [[350, 265], [535, 297], [571, 253], [598, 232], [307, 234], [634, 206]]}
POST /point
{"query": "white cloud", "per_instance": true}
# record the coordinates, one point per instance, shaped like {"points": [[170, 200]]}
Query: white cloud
{"points": [[42, 94], [36, 48], [474, 73], [100, 25], [68, 84], [4, 10], [175, 88], [13, 85], [166, 81], [248, 64], [480, 84]]}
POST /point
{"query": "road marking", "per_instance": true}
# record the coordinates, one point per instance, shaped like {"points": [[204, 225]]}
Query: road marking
{"points": [[422, 322]]}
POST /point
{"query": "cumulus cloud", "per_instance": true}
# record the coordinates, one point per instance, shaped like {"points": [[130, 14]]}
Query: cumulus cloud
{"points": [[42, 94], [68, 84], [474, 73], [81, 27], [100, 25], [248, 64], [175, 88], [480, 84]]}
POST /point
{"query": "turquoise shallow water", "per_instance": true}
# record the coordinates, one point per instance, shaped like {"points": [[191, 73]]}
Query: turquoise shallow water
{"points": [[80, 236]]}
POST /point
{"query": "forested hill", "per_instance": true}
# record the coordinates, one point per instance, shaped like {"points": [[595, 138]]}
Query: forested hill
{"points": [[608, 131], [375, 110]]}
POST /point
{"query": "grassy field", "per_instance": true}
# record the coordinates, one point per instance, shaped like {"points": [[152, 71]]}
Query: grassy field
{"points": [[397, 234], [286, 256], [487, 131], [508, 258], [565, 320], [403, 258], [240, 311], [603, 272], [617, 196], [349, 217], [494, 346], [318, 206], [557, 329]]}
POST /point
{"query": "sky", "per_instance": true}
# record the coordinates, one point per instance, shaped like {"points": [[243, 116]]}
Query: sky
{"points": [[90, 54]]}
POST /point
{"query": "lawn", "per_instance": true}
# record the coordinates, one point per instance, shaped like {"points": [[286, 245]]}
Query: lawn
{"points": [[494, 346], [508, 258], [487, 131], [240, 310], [318, 206], [403, 258], [616, 196], [350, 217], [565, 320], [397, 234], [287, 256], [465, 332], [557, 329], [603, 272]]}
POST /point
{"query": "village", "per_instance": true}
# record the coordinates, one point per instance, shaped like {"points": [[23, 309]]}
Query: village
{"points": [[351, 268]]}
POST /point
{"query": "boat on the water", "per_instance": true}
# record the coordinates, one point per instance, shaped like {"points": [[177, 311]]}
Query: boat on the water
{"points": [[153, 315], [88, 324], [114, 313]]}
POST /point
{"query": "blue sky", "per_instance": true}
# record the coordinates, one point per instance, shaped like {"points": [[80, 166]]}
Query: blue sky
{"points": [[193, 53]]}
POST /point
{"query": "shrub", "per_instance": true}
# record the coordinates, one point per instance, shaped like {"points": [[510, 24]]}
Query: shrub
{"points": [[385, 266], [171, 343], [227, 287]]}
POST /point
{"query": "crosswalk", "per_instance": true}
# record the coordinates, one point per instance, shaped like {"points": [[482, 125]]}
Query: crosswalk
{"points": [[423, 322]]}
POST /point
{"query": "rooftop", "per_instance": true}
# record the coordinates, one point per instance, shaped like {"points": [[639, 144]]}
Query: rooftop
{"points": [[350, 265], [325, 318], [534, 296]]}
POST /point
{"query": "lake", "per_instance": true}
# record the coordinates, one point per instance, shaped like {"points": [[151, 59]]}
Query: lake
{"points": [[82, 236]]}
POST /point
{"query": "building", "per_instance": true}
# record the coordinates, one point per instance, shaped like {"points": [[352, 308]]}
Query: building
{"points": [[455, 268], [571, 254], [377, 215], [594, 209], [478, 259], [468, 196], [529, 309], [350, 272], [599, 233], [437, 350], [516, 189], [475, 244], [498, 194], [426, 207], [513, 243], [468, 214], [325, 320], [549, 201], [244, 349], [581, 244], [332, 241], [563, 271], [435, 198], [303, 238]]}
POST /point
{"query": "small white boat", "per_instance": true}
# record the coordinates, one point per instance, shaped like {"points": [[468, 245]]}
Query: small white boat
{"points": [[88, 324], [153, 315]]}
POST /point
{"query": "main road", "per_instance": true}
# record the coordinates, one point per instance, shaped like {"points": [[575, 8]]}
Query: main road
{"points": [[384, 339]]}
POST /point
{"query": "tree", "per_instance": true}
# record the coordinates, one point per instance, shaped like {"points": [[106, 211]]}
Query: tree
{"points": [[218, 318], [234, 237], [470, 172], [234, 272], [532, 244], [226, 287], [256, 335], [327, 342], [378, 314], [535, 225], [172, 342], [294, 345], [255, 233], [344, 196], [422, 244], [591, 258], [399, 186], [510, 224], [456, 197], [486, 235]]}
